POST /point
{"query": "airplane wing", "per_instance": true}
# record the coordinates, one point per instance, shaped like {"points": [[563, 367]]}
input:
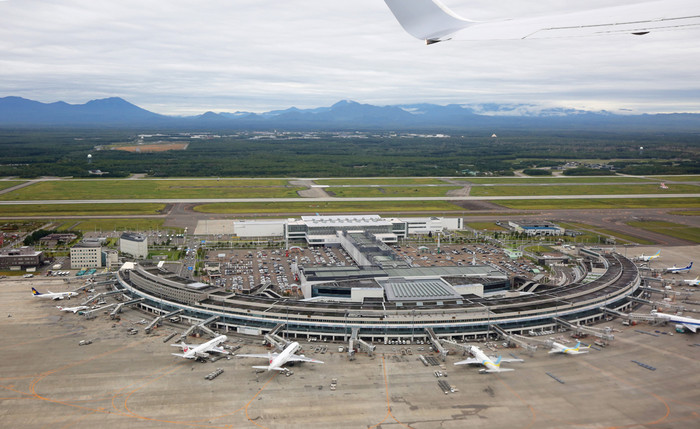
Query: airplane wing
{"points": [[506, 359], [469, 361], [181, 345], [219, 350], [259, 355], [431, 21], [692, 327], [498, 370], [302, 358]]}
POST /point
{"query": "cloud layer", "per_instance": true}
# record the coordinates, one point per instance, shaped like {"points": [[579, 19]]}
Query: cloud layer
{"points": [[186, 57]]}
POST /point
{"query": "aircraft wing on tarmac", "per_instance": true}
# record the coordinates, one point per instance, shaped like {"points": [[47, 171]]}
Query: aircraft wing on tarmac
{"points": [[432, 21]]}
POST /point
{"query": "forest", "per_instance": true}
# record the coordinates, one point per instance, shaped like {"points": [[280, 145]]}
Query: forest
{"points": [[64, 152]]}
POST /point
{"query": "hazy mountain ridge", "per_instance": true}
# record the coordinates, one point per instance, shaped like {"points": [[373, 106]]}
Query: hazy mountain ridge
{"points": [[345, 114]]}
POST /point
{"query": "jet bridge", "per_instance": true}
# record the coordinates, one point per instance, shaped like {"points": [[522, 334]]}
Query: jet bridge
{"points": [[118, 308], [200, 327], [157, 320], [364, 345], [630, 316], [435, 341], [91, 314], [605, 334], [275, 340], [100, 295], [515, 339], [664, 292], [656, 304]]}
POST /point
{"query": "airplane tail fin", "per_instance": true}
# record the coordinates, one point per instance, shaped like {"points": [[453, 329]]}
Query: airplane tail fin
{"points": [[578, 344], [35, 292], [498, 362], [427, 20]]}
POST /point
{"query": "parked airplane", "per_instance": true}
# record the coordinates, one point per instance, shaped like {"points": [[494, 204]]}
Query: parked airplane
{"points": [[675, 270], [53, 295], [200, 351], [73, 309], [480, 358], [561, 348], [686, 322], [695, 282], [432, 21], [277, 360], [646, 258]]}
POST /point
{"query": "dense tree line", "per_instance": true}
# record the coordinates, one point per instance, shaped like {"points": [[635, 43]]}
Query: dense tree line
{"points": [[64, 153]]}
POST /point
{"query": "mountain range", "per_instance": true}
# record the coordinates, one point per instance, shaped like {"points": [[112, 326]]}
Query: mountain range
{"points": [[343, 115]]}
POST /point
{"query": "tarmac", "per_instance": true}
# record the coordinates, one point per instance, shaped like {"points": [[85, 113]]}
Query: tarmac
{"points": [[645, 378]]}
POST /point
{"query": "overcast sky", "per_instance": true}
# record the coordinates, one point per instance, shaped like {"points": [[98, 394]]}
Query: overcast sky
{"points": [[191, 56]]}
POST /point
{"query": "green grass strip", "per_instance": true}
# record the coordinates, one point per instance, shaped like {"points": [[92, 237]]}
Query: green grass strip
{"points": [[80, 209], [329, 207]]}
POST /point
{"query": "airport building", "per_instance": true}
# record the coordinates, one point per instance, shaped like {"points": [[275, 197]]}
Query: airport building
{"points": [[531, 228], [381, 303], [20, 259], [134, 245], [86, 255], [321, 230]]}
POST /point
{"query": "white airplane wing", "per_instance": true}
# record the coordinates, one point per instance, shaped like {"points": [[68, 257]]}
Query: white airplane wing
{"points": [[690, 326], [431, 21], [302, 358], [259, 355], [469, 361], [506, 359]]}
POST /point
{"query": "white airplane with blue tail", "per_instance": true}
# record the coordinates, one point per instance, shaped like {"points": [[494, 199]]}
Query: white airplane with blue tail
{"points": [[490, 364]]}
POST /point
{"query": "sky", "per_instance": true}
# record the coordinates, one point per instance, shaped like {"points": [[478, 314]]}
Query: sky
{"points": [[187, 57]]}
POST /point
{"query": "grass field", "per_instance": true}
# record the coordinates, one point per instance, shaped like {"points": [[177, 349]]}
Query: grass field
{"points": [[89, 225], [553, 179], [602, 203], [382, 181], [594, 231], [493, 191], [79, 209], [676, 230], [4, 184], [141, 189], [311, 207], [402, 191], [489, 226]]}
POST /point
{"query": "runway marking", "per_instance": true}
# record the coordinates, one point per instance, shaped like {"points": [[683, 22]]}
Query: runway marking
{"points": [[388, 401]]}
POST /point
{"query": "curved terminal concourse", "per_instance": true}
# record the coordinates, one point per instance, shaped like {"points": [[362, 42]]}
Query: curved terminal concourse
{"points": [[386, 301]]}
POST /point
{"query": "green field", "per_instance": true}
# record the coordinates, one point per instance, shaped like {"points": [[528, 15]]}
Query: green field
{"points": [[89, 225], [676, 230], [4, 184], [593, 232], [498, 191], [551, 179], [382, 181], [489, 226], [602, 203], [142, 189], [311, 207], [20, 210], [400, 191]]}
